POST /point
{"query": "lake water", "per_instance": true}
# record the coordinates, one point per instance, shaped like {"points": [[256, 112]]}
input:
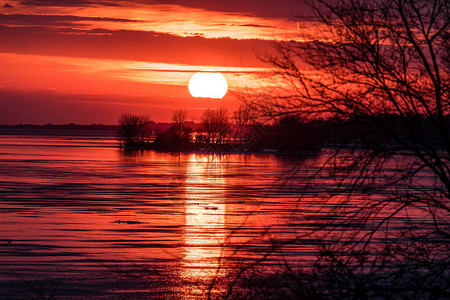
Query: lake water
{"points": [[82, 219]]}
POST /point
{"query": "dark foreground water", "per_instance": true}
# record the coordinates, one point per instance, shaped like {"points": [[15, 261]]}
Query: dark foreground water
{"points": [[80, 218]]}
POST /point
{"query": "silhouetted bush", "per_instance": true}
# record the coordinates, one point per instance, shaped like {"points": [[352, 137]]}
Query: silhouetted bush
{"points": [[133, 130], [175, 138]]}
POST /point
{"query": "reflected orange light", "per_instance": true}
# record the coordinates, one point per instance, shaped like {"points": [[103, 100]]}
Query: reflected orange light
{"points": [[205, 219]]}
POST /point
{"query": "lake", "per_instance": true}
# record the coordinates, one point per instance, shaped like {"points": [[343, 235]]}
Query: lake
{"points": [[82, 219]]}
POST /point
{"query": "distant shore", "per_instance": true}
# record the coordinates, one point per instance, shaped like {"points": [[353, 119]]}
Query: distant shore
{"points": [[60, 130]]}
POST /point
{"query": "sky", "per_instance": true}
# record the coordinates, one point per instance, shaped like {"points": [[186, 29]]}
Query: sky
{"points": [[88, 62]]}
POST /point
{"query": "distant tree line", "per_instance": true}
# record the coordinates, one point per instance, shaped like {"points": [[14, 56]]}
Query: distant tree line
{"points": [[244, 131]]}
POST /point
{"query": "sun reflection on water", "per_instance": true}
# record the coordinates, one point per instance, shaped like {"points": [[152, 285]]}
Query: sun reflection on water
{"points": [[204, 235]]}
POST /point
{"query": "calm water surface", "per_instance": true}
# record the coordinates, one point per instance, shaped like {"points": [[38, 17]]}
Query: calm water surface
{"points": [[80, 218]]}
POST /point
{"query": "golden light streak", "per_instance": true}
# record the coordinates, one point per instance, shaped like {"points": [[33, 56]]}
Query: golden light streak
{"points": [[205, 219]]}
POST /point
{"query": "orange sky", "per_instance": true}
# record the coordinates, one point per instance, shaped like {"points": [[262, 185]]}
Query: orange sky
{"points": [[86, 61]]}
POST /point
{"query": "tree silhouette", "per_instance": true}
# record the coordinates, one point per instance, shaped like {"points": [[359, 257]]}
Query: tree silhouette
{"points": [[179, 117], [132, 129], [215, 123], [244, 117], [384, 65], [179, 130]]}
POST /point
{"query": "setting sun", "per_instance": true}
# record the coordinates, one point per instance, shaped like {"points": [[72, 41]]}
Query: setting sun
{"points": [[208, 85]]}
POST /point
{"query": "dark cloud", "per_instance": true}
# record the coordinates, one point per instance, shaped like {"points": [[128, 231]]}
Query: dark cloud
{"points": [[263, 8], [257, 26], [132, 45], [7, 5], [64, 3], [52, 20]]}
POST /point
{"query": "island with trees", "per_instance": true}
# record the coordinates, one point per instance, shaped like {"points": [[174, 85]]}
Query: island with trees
{"points": [[220, 132]]}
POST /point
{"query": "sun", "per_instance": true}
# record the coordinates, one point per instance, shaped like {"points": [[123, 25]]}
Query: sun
{"points": [[208, 85]]}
